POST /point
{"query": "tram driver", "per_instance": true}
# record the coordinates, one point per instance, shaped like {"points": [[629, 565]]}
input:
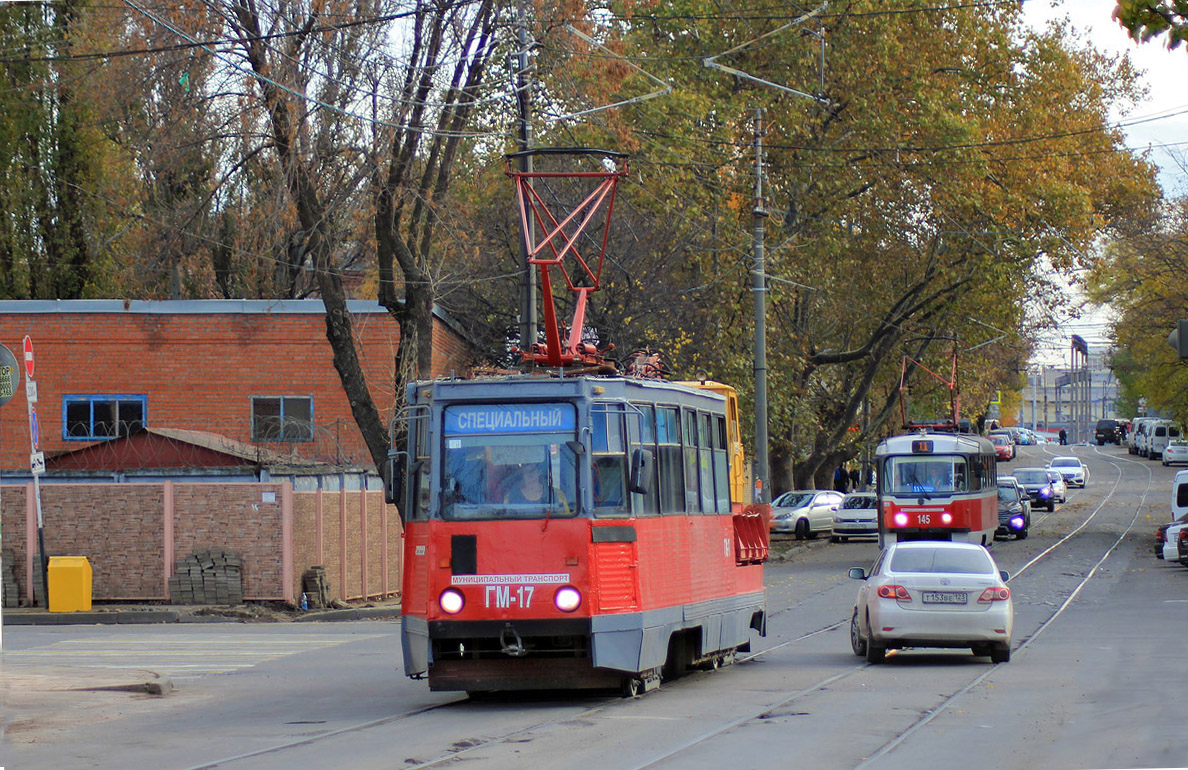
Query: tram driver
{"points": [[530, 486]]}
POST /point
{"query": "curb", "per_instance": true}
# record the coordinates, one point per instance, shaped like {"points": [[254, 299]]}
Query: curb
{"points": [[361, 613], [35, 618], [134, 617]]}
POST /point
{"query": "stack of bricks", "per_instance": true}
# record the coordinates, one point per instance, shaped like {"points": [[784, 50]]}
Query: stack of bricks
{"points": [[8, 582], [316, 587], [208, 577]]}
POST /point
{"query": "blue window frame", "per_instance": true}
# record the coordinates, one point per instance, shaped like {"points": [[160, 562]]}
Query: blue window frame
{"points": [[282, 418], [98, 417]]}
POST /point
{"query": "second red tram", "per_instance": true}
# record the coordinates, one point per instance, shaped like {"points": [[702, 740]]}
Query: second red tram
{"points": [[574, 532], [937, 486]]}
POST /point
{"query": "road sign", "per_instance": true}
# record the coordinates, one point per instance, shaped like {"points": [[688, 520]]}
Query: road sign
{"points": [[10, 375], [34, 427], [28, 356], [37, 463]]}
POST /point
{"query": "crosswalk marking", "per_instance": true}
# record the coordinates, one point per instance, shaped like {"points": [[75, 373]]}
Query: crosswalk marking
{"points": [[191, 656]]}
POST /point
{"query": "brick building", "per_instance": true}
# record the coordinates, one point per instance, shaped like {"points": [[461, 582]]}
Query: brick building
{"points": [[256, 371], [229, 420]]}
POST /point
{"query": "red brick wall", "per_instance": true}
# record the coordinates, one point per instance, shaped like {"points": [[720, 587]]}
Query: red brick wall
{"points": [[199, 370]]}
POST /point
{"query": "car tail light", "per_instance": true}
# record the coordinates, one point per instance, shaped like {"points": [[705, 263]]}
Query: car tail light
{"points": [[1184, 534], [1161, 535], [899, 593], [451, 601], [995, 594], [900, 519], [567, 598]]}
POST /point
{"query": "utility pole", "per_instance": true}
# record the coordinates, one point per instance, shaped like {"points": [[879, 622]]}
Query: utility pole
{"points": [[762, 480], [528, 322]]}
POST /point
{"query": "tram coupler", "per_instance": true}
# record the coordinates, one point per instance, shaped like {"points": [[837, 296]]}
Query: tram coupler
{"points": [[514, 648]]}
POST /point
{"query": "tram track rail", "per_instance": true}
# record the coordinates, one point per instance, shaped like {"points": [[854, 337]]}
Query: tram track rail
{"points": [[944, 704]]}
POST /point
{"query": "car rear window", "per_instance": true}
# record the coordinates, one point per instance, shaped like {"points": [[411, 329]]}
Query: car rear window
{"points": [[942, 560]]}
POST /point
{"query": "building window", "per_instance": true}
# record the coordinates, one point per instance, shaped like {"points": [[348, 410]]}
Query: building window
{"points": [[282, 418], [90, 418]]}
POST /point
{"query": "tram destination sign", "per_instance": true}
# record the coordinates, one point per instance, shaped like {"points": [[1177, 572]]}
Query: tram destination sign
{"points": [[470, 419]]}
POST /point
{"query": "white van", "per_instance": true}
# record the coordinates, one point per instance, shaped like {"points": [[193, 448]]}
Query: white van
{"points": [[1133, 438], [1161, 431]]}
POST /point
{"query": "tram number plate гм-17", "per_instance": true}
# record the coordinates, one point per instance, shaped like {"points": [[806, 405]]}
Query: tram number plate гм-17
{"points": [[945, 597]]}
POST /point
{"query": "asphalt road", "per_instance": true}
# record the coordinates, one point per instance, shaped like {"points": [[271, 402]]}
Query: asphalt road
{"points": [[1094, 681]]}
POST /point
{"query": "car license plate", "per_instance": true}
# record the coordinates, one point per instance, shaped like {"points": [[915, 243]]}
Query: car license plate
{"points": [[944, 597]]}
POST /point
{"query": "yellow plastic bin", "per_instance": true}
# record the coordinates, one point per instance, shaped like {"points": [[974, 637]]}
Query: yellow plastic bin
{"points": [[69, 584]]}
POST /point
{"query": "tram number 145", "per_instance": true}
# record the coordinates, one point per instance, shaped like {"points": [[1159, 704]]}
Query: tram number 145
{"points": [[502, 597]]}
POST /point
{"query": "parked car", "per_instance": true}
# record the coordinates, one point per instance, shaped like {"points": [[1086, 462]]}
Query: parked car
{"points": [[1179, 512], [932, 594], [805, 513], [1171, 538], [857, 516], [1107, 432], [1075, 472], [1004, 449], [1182, 546], [1176, 451], [1059, 485], [1037, 483], [1014, 509]]}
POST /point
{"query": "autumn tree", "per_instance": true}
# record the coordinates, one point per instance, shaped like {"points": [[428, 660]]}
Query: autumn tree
{"points": [[951, 160]]}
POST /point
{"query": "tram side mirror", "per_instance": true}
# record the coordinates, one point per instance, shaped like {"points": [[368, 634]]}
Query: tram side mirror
{"points": [[641, 471], [577, 447]]}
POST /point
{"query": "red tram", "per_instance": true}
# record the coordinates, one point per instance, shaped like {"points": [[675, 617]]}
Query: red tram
{"points": [[937, 486], [575, 532]]}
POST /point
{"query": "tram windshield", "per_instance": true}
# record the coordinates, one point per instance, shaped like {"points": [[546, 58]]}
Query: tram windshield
{"points": [[509, 461], [926, 474]]}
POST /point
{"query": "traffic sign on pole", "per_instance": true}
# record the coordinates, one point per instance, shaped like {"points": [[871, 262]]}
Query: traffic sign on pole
{"points": [[28, 356], [34, 427]]}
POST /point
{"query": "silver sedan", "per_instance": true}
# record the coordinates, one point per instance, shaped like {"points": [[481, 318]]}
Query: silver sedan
{"points": [[932, 594]]}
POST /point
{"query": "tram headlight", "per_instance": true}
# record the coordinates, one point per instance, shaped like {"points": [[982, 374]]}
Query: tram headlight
{"points": [[946, 518], [451, 601], [900, 519], [567, 598]]}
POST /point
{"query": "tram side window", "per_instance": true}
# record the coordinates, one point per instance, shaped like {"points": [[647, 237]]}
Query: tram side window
{"points": [[721, 463], [706, 462], [610, 460], [670, 471], [692, 474], [647, 503]]}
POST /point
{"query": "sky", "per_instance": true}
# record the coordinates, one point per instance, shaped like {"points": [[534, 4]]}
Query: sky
{"points": [[1165, 135]]}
